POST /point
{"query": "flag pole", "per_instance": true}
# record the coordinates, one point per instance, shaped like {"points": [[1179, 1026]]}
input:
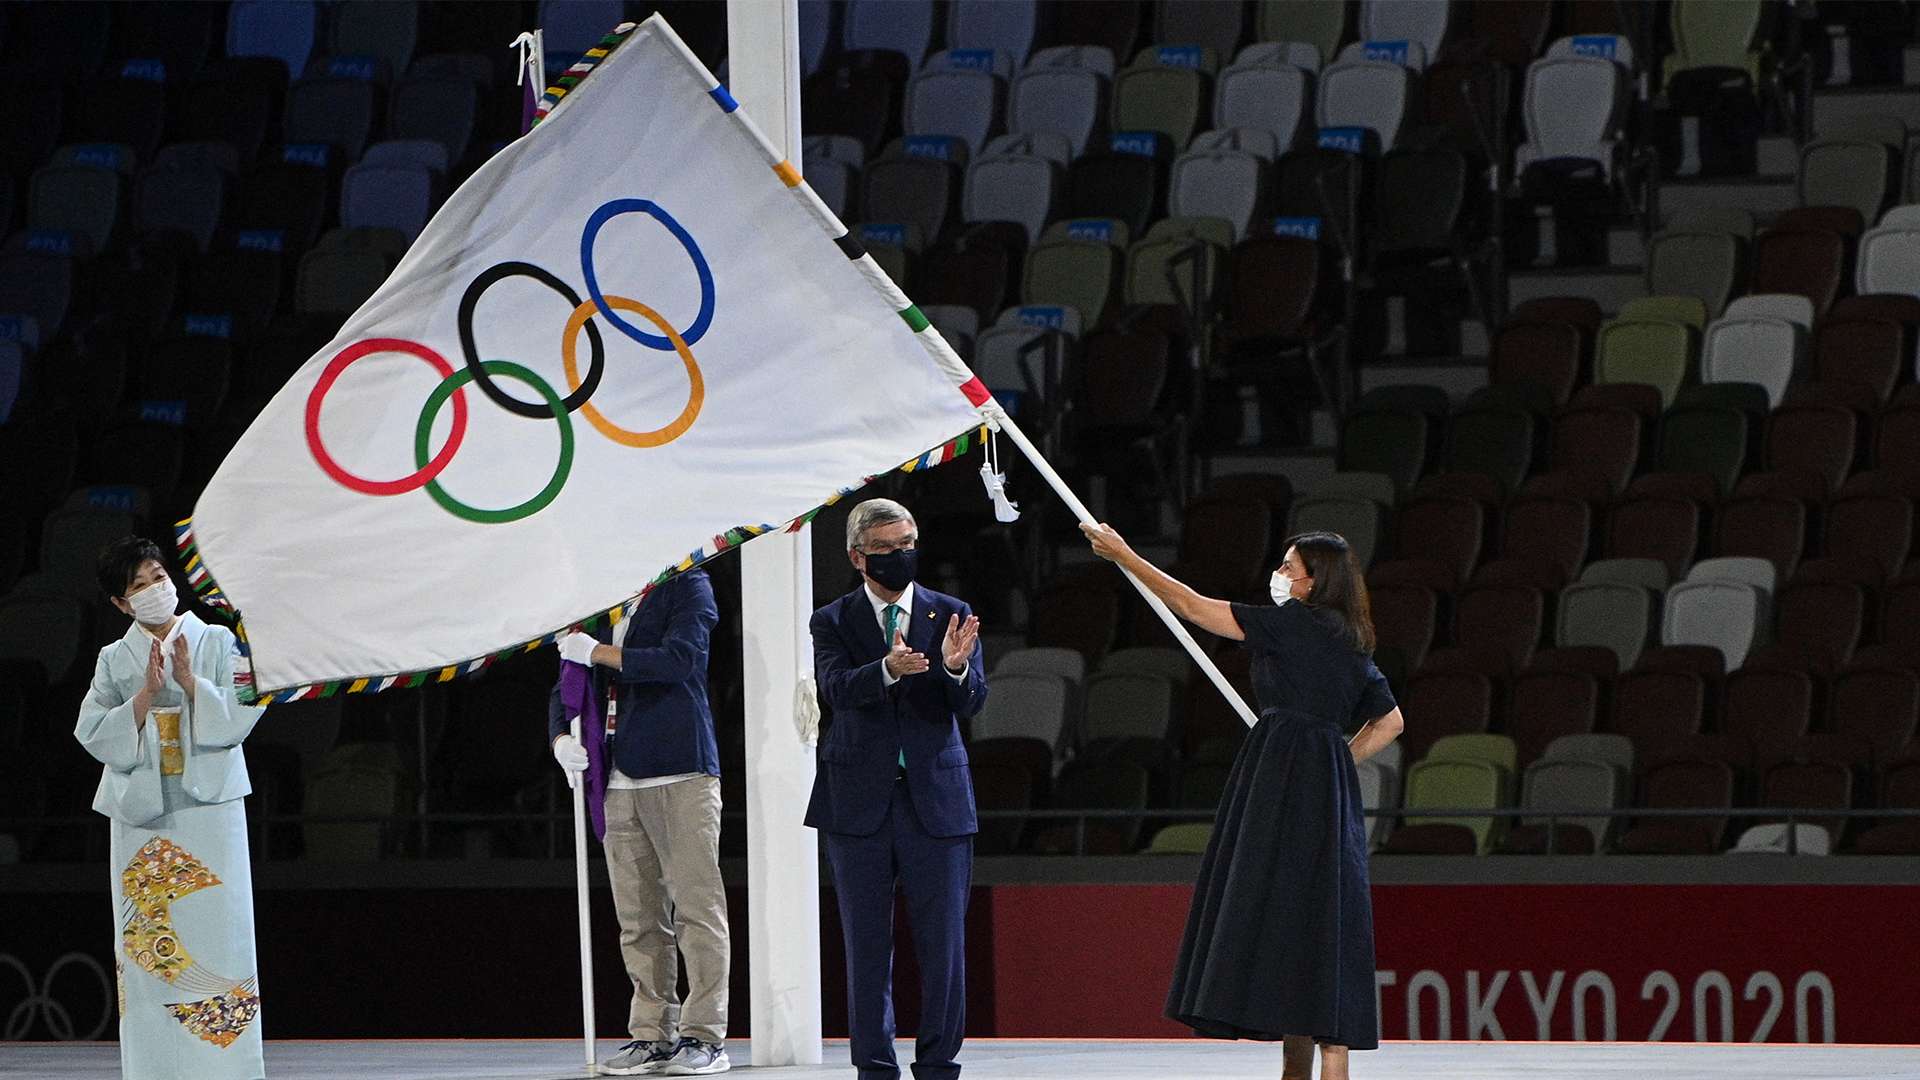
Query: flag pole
{"points": [[580, 894], [999, 418]]}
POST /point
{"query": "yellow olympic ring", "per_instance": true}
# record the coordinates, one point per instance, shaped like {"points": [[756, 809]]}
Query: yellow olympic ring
{"points": [[696, 388]]}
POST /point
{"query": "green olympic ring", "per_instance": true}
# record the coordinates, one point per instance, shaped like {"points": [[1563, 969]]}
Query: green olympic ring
{"points": [[422, 434]]}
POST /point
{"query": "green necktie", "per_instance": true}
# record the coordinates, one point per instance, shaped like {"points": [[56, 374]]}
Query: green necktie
{"points": [[892, 614]]}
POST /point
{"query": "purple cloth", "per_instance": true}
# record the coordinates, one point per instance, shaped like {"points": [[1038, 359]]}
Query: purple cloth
{"points": [[578, 698]]}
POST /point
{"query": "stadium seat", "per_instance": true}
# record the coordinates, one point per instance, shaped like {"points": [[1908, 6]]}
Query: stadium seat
{"points": [[903, 28], [1766, 351], [1117, 184], [1008, 29], [1166, 90], [1656, 708], [442, 109], [1602, 443], [916, 184], [1705, 441], [1571, 109], [1323, 26], [1615, 616], [1560, 784], [1887, 260], [1546, 705], [1807, 262], [1507, 620], [1081, 274], [1063, 90], [1228, 184], [1703, 265], [954, 97], [398, 197], [1126, 705], [1817, 439], [1855, 173], [1769, 528], [1681, 784], [1496, 443], [1025, 704], [1725, 615], [1359, 520], [1759, 573], [1659, 354], [1871, 530], [275, 30], [1264, 95], [1809, 785], [1373, 95], [1216, 24], [1868, 352], [84, 200]]}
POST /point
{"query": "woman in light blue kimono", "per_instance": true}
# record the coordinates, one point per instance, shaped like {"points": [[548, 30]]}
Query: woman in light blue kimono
{"points": [[164, 718]]}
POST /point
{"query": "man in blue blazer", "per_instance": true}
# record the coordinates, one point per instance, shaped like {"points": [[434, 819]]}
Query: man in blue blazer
{"points": [[899, 667], [663, 823]]}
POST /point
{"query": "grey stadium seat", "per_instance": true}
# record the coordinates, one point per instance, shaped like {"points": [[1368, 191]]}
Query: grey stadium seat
{"points": [[1063, 90], [1766, 352], [1572, 108], [1365, 94], [1726, 615], [1613, 616], [1272, 97], [957, 101], [1008, 27], [1225, 184]]}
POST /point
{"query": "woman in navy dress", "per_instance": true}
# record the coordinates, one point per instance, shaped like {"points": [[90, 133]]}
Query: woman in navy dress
{"points": [[1279, 941]]}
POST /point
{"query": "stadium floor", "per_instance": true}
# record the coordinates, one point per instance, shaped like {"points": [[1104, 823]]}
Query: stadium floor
{"points": [[1043, 1059]]}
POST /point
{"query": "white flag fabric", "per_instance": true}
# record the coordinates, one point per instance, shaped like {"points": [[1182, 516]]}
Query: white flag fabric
{"points": [[632, 339]]}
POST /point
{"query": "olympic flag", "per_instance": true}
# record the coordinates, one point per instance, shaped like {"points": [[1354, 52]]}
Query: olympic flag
{"points": [[632, 339]]}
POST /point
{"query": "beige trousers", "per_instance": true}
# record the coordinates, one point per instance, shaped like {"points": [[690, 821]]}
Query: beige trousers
{"points": [[663, 856]]}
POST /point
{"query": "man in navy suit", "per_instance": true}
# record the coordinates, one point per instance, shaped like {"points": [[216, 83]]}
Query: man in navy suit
{"points": [[663, 823], [899, 666]]}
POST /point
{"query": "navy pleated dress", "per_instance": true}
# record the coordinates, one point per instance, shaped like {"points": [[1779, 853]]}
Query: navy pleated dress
{"points": [[1280, 937]]}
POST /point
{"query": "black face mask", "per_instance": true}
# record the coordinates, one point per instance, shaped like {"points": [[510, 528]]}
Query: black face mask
{"points": [[894, 570]]}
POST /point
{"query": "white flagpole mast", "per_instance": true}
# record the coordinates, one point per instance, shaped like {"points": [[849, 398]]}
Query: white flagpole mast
{"points": [[998, 418], [580, 895], [532, 75]]}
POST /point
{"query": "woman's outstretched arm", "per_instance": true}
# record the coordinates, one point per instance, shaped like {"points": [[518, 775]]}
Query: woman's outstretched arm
{"points": [[1213, 616], [1375, 735]]}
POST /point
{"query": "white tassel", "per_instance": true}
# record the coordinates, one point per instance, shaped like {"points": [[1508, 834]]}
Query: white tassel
{"points": [[806, 710], [1005, 510]]}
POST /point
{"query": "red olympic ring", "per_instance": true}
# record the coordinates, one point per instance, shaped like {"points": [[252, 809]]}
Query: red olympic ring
{"points": [[339, 364]]}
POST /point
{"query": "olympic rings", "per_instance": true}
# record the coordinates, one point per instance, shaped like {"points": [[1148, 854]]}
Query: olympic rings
{"points": [[428, 469], [481, 373], [609, 211], [556, 407], [696, 386], [471, 300]]}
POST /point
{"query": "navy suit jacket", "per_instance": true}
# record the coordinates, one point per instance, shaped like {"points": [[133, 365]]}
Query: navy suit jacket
{"points": [[665, 724], [872, 724]]}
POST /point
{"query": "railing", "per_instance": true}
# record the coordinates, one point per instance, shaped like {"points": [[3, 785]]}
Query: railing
{"points": [[558, 825]]}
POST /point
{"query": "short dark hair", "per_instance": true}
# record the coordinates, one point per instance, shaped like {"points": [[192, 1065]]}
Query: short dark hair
{"points": [[122, 559], [1339, 586]]}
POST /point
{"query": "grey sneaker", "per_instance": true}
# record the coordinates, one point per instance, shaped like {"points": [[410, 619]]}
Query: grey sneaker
{"points": [[639, 1058], [695, 1058]]}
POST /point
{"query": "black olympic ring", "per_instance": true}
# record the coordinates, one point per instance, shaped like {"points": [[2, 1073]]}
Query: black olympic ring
{"points": [[538, 410]]}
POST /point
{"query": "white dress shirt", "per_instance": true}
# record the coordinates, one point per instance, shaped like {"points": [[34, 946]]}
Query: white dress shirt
{"points": [[905, 604]]}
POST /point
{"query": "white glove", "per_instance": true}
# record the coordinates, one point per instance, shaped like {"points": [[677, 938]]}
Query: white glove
{"points": [[571, 756], [578, 648]]}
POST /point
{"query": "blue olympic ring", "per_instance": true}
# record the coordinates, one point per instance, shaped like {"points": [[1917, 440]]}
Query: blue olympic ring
{"points": [[613, 209]]}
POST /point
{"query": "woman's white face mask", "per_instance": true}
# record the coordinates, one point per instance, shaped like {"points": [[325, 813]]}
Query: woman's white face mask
{"points": [[1280, 588], [156, 603]]}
